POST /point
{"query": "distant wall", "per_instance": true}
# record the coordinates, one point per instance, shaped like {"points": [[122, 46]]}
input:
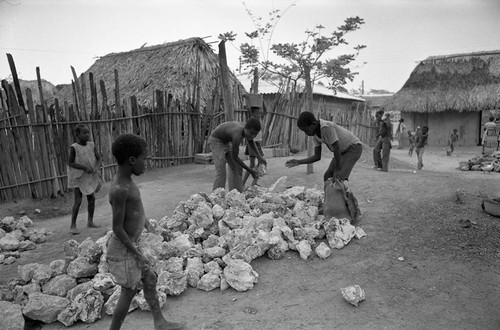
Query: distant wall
{"points": [[441, 124]]}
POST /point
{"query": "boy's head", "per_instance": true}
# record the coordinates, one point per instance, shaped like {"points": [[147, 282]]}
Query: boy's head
{"points": [[425, 129], [410, 133], [455, 130], [307, 123], [132, 149], [379, 114], [82, 132], [492, 118], [256, 112], [252, 128]]}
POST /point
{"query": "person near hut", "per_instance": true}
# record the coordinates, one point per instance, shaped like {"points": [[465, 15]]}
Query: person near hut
{"points": [[453, 140], [411, 141], [346, 146], [83, 177], [225, 142], [382, 149], [258, 113], [125, 260], [420, 143], [490, 125], [400, 133]]}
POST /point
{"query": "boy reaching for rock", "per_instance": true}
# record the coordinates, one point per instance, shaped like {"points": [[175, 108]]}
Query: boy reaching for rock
{"points": [[225, 143], [125, 261]]}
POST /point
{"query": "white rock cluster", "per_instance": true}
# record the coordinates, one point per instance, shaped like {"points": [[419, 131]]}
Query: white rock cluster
{"points": [[208, 243], [17, 236]]}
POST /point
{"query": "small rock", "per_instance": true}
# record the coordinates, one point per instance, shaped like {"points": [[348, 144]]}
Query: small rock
{"points": [[401, 259], [38, 211], [353, 294], [323, 251]]}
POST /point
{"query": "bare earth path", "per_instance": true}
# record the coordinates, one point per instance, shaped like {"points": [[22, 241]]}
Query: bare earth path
{"points": [[449, 279]]}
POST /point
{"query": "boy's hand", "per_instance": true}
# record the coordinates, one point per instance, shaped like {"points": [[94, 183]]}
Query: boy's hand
{"points": [[254, 174], [292, 163], [143, 262], [263, 161]]}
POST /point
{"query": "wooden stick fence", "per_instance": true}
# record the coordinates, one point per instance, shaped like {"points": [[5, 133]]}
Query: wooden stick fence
{"points": [[35, 138]]}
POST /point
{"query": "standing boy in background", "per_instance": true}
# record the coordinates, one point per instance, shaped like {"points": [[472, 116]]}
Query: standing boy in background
{"points": [[420, 143], [381, 161], [125, 261], [225, 143], [83, 164], [453, 140]]}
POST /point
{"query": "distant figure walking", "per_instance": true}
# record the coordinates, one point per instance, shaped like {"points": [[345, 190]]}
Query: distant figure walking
{"points": [[400, 133], [83, 177], [453, 140], [411, 140]]}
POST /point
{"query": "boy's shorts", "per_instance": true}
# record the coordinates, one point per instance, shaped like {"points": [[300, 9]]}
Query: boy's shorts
{"points": [[249, 151], [122, 264]]}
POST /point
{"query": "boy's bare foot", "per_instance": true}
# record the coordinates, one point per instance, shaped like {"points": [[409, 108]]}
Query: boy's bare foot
{"points": [[170, 326], [74, 231], [92, 225]]}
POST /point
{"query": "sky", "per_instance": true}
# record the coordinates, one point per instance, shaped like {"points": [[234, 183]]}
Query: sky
{"points": [[57, 34]]}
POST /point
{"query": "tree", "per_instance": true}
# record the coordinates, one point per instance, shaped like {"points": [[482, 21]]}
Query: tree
{"points": [[298, 60]]}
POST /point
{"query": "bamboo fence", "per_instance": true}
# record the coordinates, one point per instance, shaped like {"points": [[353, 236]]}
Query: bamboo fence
{"points": [[35, 138]]}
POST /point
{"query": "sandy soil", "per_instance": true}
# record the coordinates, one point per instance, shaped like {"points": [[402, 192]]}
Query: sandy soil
{"points": [[449, 279]]}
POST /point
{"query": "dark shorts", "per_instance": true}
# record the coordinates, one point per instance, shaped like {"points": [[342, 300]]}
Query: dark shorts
{"points": [[122, 264], [249, 151]]}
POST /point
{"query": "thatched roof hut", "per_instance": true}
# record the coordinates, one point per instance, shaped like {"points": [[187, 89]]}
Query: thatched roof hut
{"points": [[451, 91], [187, 69], [459, 82]]}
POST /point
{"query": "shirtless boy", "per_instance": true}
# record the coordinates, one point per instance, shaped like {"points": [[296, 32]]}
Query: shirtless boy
{"points": [[225, 143], [125, 261]]}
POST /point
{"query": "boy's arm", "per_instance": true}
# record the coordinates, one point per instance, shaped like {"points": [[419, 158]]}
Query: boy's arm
{"points": [[257, 152], [71, 161], [235, 152], [118, 200], [309, 160]]}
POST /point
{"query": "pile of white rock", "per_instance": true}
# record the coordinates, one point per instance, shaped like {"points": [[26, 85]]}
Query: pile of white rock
{"points": [[208, 243], [17, 236]]}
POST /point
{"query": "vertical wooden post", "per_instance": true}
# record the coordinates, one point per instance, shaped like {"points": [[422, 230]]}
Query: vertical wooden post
{"points": [[226, 91], [80, 102], [309, 107], [48, 139], [15, 80]]}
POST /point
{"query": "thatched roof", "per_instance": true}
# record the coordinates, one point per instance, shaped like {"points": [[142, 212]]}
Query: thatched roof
{"points": [[459, 82], [177, 67]]}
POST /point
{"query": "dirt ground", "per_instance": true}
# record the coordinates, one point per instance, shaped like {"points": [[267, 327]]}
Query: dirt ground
{"points": [[449, 279]]}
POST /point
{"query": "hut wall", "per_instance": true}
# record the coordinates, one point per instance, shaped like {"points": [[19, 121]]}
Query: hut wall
{"points": [[441, 124]]}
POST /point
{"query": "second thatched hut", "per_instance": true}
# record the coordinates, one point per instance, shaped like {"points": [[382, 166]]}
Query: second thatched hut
{"points": [[454, 91]]}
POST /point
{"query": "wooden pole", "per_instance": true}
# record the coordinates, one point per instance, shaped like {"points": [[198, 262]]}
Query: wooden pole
{"points": [[226, 91], [309, 107], [15, 80]]}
